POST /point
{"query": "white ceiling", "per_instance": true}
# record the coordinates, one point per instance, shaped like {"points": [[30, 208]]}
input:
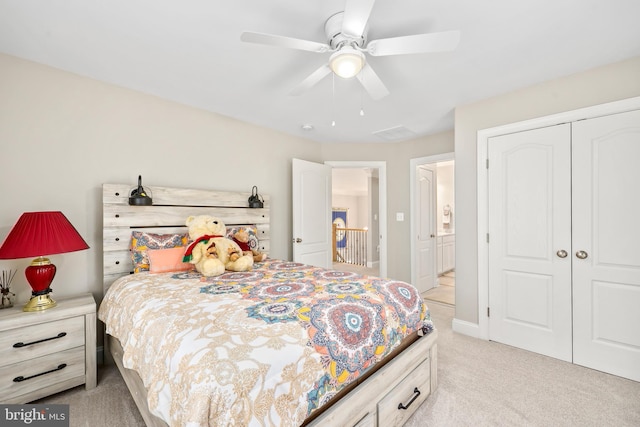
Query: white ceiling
{"points": [[190, 51]]}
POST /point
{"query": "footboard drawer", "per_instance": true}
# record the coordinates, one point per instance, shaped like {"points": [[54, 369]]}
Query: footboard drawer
{"points": [[375, 401], [401, 402]]}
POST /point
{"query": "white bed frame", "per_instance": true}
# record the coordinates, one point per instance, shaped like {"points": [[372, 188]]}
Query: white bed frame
{"points": [[411, 376]]}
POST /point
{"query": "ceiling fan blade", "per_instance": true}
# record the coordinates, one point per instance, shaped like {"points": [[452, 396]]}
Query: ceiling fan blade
{"points": [[356, 16], [310, 81], [282, 41], [372, 83], [420, 43]]}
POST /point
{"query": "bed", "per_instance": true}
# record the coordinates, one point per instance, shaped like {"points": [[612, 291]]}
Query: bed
{"points": [[282, 344]]}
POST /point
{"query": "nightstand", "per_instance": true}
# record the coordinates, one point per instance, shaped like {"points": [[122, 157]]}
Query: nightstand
{"points": [[43, 353]]}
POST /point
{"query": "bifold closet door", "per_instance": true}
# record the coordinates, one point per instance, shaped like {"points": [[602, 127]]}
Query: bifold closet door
{"points": [[606, 243], [529, 192]]}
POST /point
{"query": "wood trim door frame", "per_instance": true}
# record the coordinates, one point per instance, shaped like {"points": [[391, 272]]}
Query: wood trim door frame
{"points": [[482, 183]]}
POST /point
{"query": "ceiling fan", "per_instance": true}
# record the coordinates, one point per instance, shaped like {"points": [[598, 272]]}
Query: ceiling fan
{"points": [[347, 43]]}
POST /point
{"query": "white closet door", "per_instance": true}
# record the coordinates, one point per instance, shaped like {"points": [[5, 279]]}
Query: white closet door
{"points": [[529, 225], [606, 227]]}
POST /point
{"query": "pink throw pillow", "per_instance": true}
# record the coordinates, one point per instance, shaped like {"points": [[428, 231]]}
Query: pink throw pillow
{"points": [[166, 260]]}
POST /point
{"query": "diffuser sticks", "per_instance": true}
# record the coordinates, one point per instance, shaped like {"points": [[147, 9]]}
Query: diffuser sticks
{"points": [[5, 282]]}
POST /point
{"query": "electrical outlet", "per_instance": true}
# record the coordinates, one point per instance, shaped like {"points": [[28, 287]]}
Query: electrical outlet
{"points": [[399, 216]]}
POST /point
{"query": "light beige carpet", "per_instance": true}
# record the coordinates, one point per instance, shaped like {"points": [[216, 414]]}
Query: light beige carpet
{"points": [[481, 383], [108, 405]]}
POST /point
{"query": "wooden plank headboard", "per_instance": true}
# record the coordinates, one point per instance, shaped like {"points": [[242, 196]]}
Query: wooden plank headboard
{"points": [[170, 209]]}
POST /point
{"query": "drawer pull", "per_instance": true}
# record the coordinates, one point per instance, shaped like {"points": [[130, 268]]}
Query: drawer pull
{"points": [[21, 344], [21, 378], [416, 393]]}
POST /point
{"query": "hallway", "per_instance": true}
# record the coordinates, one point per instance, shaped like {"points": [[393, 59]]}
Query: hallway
{"points": [[445, 292]]}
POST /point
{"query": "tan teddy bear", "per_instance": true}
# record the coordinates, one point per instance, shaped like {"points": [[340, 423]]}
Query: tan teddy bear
{"points": [[241, 237], [212, 252]]}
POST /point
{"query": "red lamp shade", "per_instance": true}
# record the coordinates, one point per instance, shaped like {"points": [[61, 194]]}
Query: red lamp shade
{"points": [[37, 234]]}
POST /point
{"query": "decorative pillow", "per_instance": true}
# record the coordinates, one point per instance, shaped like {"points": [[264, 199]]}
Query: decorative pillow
{"points": [[165, 260], [251, 230], [141, 242]]}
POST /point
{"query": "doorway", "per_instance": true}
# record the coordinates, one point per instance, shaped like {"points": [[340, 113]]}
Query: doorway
{"points": [[433, 227], [359, 187], [355, 212]]}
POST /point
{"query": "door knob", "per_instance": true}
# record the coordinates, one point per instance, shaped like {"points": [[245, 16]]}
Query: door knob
{"points": [[582, 254], [562, 253], [297, 240]]}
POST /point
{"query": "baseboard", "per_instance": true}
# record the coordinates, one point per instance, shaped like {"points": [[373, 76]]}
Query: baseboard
{"points": [[465, 328], [374, 264]]}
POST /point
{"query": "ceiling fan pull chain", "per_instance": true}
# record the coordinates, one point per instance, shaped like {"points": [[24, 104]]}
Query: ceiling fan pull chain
{"points": [[362, 97], [333, 99]]}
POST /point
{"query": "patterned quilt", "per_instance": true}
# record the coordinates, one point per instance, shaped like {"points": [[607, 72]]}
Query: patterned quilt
{"points": [[264, 347]]}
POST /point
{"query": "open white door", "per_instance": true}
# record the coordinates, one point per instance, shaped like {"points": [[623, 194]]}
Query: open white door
{"points": [[311, 199], [425, 253]]}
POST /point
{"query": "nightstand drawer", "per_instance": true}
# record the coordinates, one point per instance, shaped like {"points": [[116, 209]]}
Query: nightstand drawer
{"points": [[38, 340], [30, 375], [401, 402]]}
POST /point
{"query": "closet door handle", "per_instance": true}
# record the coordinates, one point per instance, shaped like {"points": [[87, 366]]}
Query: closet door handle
{"points": [[582, 254], [562, 253]]}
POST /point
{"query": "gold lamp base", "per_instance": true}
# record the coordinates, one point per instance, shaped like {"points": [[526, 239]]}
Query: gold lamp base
{"points": [[39, 303]]}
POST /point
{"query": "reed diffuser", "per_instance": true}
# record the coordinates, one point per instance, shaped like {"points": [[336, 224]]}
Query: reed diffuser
{"points": [[5, 289]]}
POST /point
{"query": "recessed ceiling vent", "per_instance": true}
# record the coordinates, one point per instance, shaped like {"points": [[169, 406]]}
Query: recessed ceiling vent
{"points": [[395, 133]]}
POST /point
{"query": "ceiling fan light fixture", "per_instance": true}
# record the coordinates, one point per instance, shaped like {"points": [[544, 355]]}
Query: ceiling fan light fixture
{"points": [[347, 62]]}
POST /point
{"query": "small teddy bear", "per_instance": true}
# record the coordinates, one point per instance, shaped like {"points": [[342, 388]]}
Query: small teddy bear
{"points": [[204, 255], [241, 237], [212, 252]]}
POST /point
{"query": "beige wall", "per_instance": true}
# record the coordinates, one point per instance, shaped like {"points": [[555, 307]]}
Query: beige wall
{"points": [[62, 136], [397, 157], [604, 84]]}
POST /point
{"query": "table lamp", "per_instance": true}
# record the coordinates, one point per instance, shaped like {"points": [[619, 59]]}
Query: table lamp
{"points": [[34, 235]]}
